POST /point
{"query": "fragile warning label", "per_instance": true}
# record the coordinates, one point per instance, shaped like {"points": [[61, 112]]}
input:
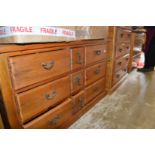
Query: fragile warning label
{"points": [[36, 30]]}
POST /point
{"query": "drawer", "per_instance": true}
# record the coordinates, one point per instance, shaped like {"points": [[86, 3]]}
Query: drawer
{"points": [[78, 102], [77, 55], [118, 75], [54, 118], [77, 81], [94, 73], [33, 102], [123, 36], [122, 49], [33, 68], [121, 62], [95, 53], [95, 89]]}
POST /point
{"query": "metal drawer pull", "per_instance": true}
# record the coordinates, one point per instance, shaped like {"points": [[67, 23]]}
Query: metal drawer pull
{"points": [[50, 96], [81, 102], [120, 63], [98, 52], [78, 80], [55, 120], [121, 35], [97, 71], [118, 75], [120, 49], [79, 58], [48, 65], [96, 89]]}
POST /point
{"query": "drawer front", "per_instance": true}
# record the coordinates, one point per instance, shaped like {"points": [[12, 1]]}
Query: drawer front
{"points": [[123, 36], [95, 53], [33, 68], [122, 49], [33, 102], [118, 75], [78, 102], [121, 62], [94, 73], [54, 118], [77, 55], [77, 81], [94, 90]]}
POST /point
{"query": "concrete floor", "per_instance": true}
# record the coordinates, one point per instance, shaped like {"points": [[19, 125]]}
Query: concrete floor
{"points": [[132, 105]]}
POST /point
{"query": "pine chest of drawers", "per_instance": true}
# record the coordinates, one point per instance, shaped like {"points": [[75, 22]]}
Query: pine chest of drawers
{"points": [[51, 85], [119, 49]]}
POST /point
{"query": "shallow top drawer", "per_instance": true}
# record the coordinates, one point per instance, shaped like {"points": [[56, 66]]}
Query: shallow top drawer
{"points": [[33, 68], [95, 53]]}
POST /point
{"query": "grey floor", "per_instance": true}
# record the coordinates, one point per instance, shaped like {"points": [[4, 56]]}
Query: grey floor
{"points": [[132, 105]]}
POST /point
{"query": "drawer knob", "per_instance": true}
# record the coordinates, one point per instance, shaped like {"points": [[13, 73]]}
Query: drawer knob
{"points": [[78, 80], [79, 58], [97, 71], [48, 65], [54, 121], [98, 52], [50, 96]]}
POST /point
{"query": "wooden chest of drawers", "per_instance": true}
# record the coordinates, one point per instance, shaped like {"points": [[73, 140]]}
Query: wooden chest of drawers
{"points": [[51, 85], [119, 49]]}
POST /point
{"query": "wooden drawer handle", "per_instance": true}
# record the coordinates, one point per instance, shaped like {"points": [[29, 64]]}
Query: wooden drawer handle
{"points": [[78, 80], [54, 121], [98, 52], [48, 65], [50, 96], [97, 71], [79, 57], [127, 47]]}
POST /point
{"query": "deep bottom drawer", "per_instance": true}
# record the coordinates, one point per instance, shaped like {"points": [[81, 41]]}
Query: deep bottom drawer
{"points": [[94, 89], [54, 118]]}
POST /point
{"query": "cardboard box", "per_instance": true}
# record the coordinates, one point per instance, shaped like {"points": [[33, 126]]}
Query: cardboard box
{"points": [[91, 32]]}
